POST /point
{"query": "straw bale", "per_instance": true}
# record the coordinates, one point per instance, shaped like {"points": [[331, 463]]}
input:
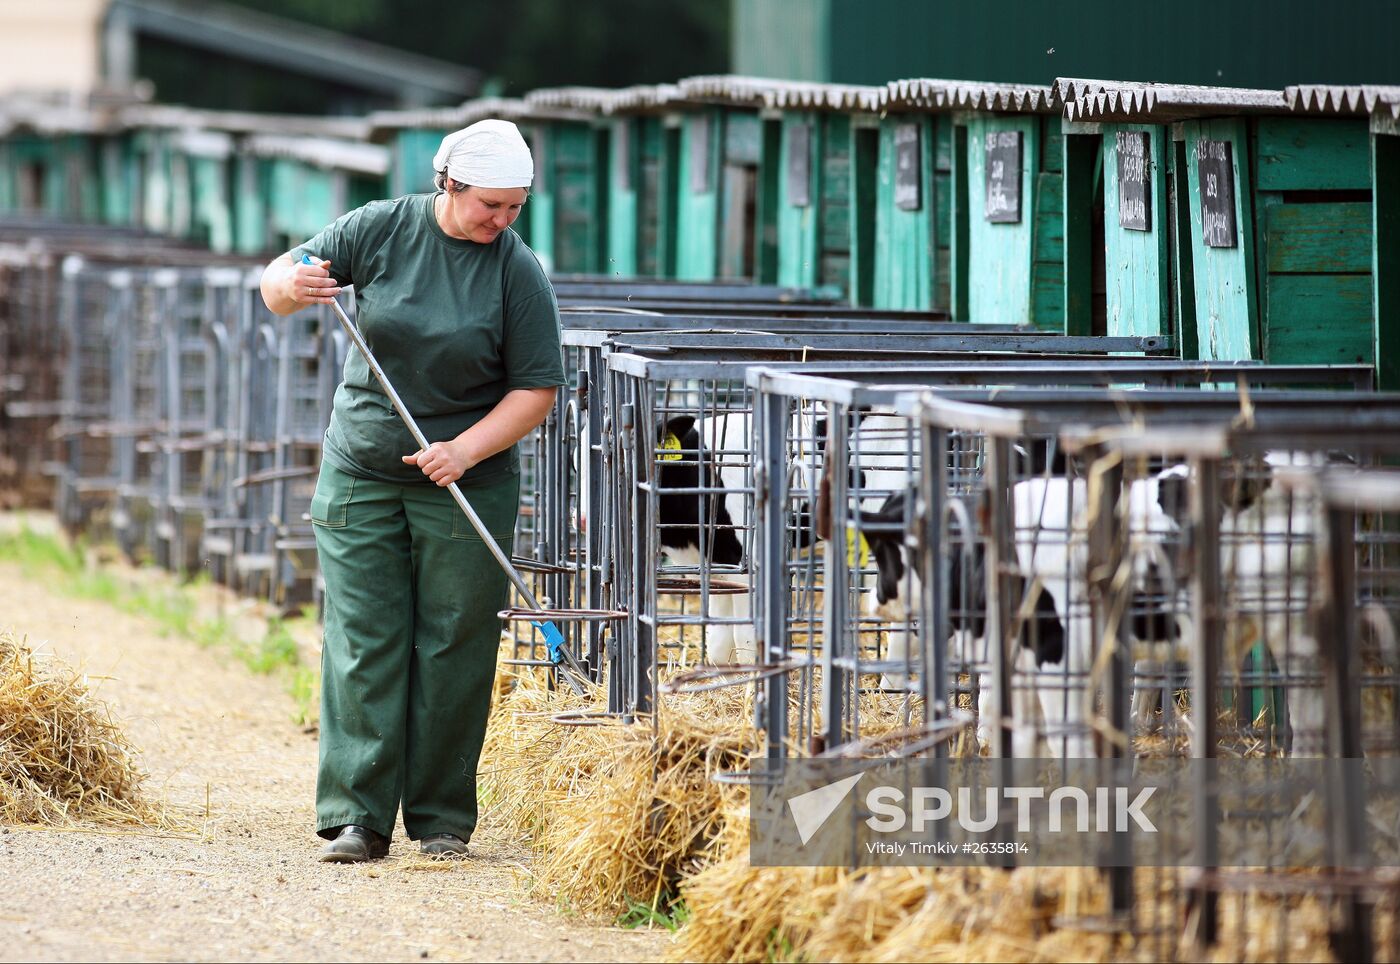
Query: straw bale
{"points": [[63, 759]]}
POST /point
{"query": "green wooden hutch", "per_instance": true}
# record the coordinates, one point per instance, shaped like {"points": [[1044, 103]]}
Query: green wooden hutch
{"points": [[968, 202], [1240, 221]]}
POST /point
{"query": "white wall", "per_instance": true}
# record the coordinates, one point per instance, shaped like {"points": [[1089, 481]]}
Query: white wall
{"points": [[50, 44]]}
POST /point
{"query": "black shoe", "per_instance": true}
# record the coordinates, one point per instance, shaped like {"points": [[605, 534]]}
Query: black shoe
{"points": [[448, 846], [355, 844]]}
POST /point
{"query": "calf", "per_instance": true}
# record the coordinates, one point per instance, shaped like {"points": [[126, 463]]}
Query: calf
{"points": [[705, 529]]}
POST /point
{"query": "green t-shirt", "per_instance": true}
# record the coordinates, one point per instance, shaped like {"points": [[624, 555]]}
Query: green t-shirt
{"points": [[455, 325]]}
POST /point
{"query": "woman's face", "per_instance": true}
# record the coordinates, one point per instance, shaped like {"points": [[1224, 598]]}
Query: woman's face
{"points": [[481, 213]]}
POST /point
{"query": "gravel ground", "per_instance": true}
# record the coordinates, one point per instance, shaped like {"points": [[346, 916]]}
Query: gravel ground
{"points": [[248, 887]]}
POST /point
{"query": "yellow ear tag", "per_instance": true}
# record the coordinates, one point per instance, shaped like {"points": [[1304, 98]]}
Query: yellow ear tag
{"points": [[672, 445], [857, 549]]}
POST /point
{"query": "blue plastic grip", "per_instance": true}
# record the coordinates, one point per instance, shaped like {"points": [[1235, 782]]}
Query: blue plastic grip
{"points": [[554, 641]]}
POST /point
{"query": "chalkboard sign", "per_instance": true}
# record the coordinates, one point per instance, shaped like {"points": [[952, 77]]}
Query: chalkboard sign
{"points": [[699, 155], [622, 155], [1003, 162], [799, 172], [1134, 191], [1215, 166], [906, 167]]}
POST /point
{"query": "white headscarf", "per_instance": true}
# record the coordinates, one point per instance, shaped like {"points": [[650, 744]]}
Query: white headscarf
{"points": [[489, 153]]}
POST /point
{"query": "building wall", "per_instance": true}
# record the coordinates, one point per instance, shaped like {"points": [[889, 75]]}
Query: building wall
{"points": [[1245, 43], [50, 45]]}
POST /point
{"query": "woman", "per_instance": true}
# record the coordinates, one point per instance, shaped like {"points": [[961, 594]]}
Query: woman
{"points": [[463, 319]]}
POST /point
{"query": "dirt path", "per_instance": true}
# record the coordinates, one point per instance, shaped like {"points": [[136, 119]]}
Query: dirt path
{"points": [[250, 889]]}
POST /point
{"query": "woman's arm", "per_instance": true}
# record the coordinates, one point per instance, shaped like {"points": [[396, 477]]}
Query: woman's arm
{"points": [[289, 286], [510, 421]]}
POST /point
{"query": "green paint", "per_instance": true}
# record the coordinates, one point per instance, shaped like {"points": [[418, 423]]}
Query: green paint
{"points": [[904, 240], [1385, 273], [1226, 295], [799, 228], [999, 255], [834, 257], [697, 215], [1048, 254], [250, 217], [1136, 262], [213, 203], [623, 169], [650, 192], [1311, 154], [303, 201], [539, 229], [1320, 320], [668, 216], [577, 212], [413, 161], [1319, 238]]}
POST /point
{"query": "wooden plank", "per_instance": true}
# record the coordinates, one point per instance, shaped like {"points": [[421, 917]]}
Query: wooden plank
{"points": [[943, 210], [1319, 238], [1385, 270], [904, 238], [743, 137], [1052, 146], [1135, 261], [622, 211], [1225, 286], [1319, 320], [999, 255], [943, 145], [1049, 219], [697, 212], [797, 225], [1312, 154], [1048, 296]]}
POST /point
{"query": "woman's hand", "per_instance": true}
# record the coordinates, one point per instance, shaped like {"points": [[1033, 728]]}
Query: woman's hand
{"points": [[289, 286], [443, 462], [311, 284]]}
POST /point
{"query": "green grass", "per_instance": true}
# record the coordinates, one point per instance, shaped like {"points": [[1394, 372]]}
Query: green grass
{"points": [[671, 915], [173, 607]]}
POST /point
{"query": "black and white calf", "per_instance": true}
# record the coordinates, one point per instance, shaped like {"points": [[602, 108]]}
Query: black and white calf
{"points": [[705, 513]]}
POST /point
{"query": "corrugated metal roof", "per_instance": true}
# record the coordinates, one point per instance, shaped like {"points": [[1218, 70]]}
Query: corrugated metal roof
{"points": [[1339, 99], [930, 94], [51, 115], [1105, 100], [238, 122], [469, 112], [202, 143], [592, 99], [323, 152], [644, 97], [769, 92]]}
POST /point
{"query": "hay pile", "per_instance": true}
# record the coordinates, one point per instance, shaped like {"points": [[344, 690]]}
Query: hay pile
{"points": [[62, 757], [616, 814], [742, 913]]}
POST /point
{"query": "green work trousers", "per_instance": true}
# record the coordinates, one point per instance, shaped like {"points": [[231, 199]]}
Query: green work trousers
{"points": [[409, 657]]}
